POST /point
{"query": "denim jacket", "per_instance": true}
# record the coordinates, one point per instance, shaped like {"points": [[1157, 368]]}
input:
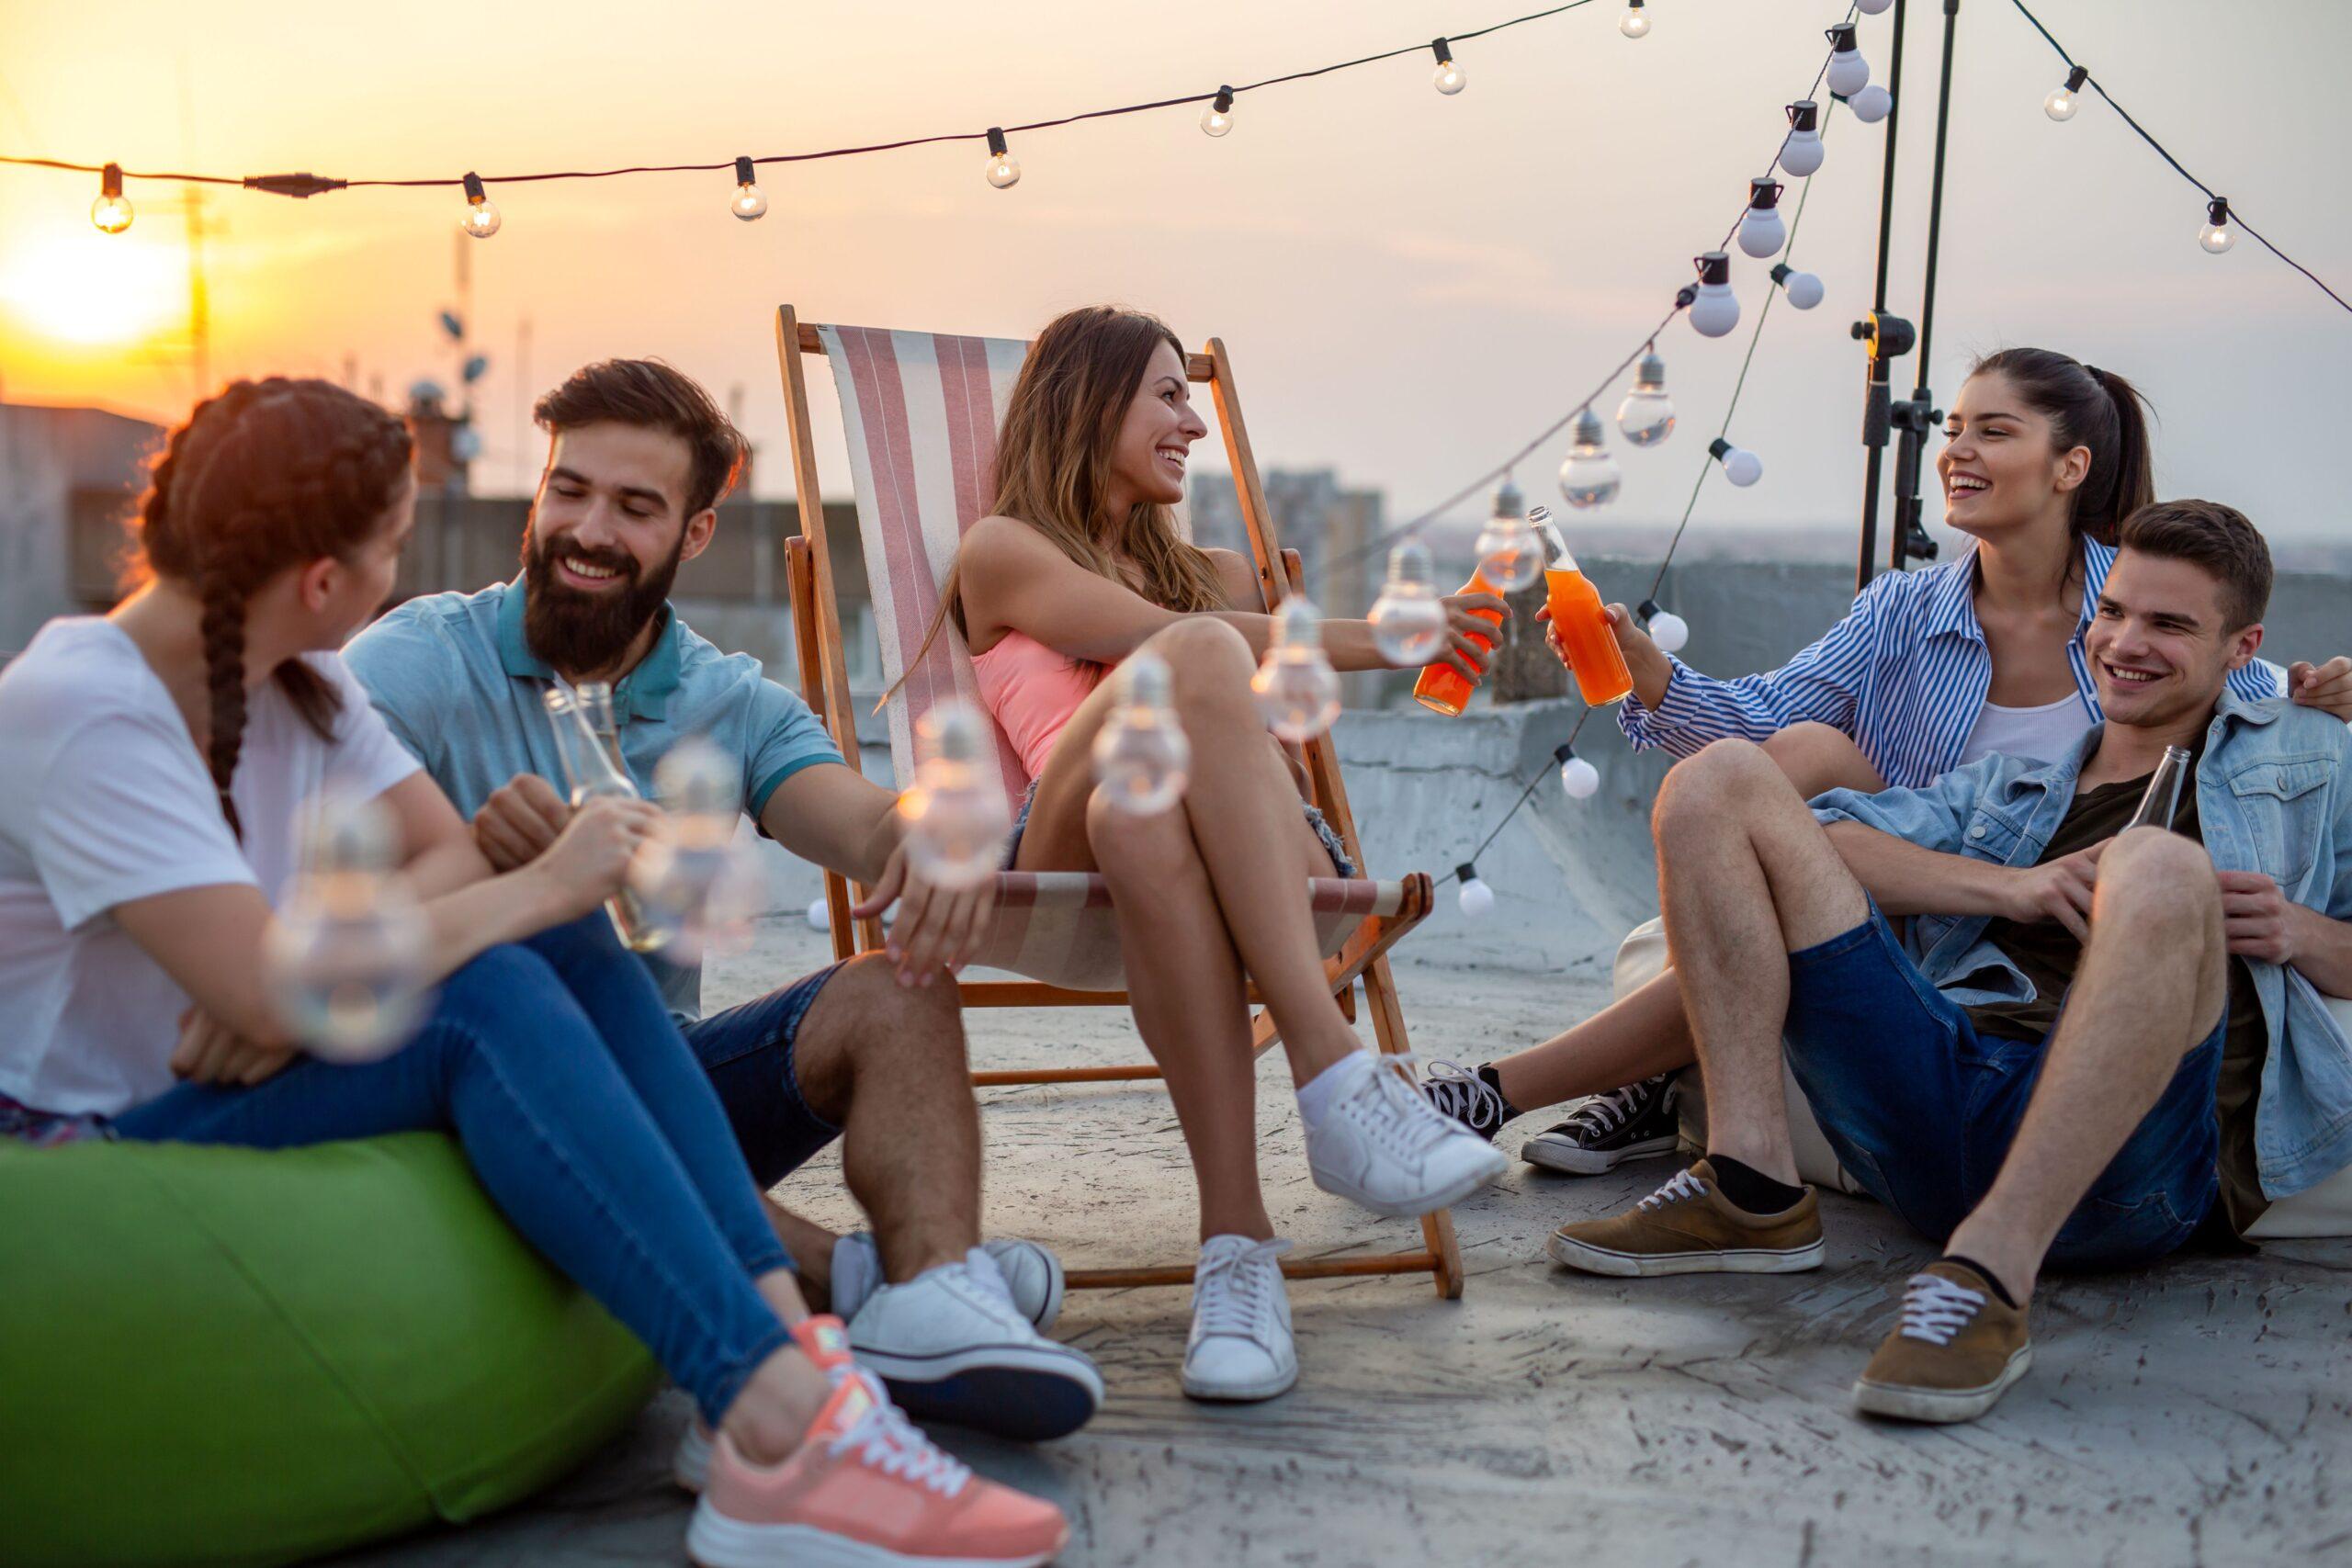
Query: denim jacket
{"points": [[2274, 794]]}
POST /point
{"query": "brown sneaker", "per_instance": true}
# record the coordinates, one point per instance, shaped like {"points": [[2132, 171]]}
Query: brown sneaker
{"points": [[1958, 1347], [1688, 1227]]}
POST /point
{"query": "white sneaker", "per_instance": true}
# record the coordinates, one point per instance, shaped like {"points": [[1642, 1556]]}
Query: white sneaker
{"points": [[1033, 1274], [1379, 1142], [952, 1346], [1240, 1347]]}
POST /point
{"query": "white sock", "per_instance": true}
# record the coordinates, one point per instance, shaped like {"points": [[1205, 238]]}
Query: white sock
{"points": [[1315, 1094]]}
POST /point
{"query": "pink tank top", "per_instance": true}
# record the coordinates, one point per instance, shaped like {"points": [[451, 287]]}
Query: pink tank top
{"points": [[1031, 691]]}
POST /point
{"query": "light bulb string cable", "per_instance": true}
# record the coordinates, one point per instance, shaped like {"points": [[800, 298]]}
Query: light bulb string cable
{"points": [[860, 151], [2142, 133]]}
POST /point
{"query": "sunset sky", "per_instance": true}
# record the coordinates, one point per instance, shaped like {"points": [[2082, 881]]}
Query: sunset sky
{"points": [[1410, 285]]}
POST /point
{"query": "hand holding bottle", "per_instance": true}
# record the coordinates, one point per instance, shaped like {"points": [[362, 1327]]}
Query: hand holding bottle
{"points": [[589, 861], [1471, 619], [1645, 659]]}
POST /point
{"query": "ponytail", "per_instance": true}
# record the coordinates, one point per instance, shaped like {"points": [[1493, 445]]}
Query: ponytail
{"points": [[2093, 408]]}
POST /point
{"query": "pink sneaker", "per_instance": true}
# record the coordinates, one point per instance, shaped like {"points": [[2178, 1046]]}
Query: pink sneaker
{"points": [[864, 1488]]}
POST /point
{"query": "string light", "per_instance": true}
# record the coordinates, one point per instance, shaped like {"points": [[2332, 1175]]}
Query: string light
{"points": [[111, 211], [1871, 104], [2217, 236], [2060, 105], [1408, 621], [1668, 630], [344, 957], [695, 878], [481, 218], [1448, 77], [1635, 22], [955, 813], [1801, 154], [748, 201], [1803, 289], [1218, 119], [1578, 777], [1762, 231], [1299, 691], [1510, 556], [1871, 8], [1715, 310], [1477, 898], [1004, 170], [1849, 71], [1590, 477], [1741, 467], [1647, 416], [1142, 759]]}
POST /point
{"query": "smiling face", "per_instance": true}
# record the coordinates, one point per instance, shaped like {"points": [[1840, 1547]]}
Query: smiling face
{"points": [[607, 535], [2001, 466], [2159, 643], [1156, 436]]}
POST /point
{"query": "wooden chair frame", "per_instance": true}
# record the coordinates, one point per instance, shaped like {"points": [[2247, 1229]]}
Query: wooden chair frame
{"points": [[824, 679]]}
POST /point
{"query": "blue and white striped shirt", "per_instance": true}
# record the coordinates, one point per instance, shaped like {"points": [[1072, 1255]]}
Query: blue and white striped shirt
{"points": [[1905, 674]]}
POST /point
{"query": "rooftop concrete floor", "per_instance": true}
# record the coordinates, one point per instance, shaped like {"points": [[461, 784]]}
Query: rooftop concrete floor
{"points": [[2198, 1412]]}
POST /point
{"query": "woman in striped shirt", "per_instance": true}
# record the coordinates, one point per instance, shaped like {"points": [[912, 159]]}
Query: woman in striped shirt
{"points": [[2044, 458]]}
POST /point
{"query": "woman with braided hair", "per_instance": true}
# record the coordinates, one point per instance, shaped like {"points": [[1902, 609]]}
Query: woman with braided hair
{"points": [[157, 758]]}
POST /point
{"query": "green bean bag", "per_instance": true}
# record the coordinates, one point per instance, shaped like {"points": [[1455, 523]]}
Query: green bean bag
{"points": [[213, 1355]]}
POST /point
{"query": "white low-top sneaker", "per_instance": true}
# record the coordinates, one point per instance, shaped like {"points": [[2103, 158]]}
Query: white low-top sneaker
{"points": [[1240, 1347], [1030, 1272], [1380, 1142], [952, 1346]]}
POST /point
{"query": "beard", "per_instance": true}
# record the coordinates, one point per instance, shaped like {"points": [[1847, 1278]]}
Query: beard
{"points": [[575, 631]]}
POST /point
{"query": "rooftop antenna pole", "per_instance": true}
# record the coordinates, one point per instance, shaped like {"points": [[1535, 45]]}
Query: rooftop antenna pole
{"points": [[1882, 336], [1919, 416]]}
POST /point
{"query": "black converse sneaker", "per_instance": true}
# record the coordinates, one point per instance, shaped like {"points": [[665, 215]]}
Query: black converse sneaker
{"points": [[1470, 1098], [1609, 1129]]}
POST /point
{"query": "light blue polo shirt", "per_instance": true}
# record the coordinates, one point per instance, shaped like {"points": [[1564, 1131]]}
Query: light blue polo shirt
{"points": [[457, 682]]}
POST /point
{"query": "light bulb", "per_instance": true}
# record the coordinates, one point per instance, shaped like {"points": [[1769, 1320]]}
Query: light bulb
{"points": [[1004, 170], [481, 218], [1803, 289], [1510, 555], [2061, 104], [1448, 77], [1635, 22], [1801, 154], [1871, 8], [344, 957], [1741, 467], [820, 914], [1872, 104], [1714, 308], [749, 201], [1590, 477], [1762, 229], [2217, 236], [1297, 690], [1849, 71], [111, 211], [1478, 898], [1578, 777], [1668, 630], [1141, 757], [693, 877], [1408, 621], [956, 814], [1218, 119], [1647, 416]]}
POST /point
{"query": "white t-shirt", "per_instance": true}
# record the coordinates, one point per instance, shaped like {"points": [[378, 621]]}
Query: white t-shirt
{"points": [[103, 800], [2042, 735]]}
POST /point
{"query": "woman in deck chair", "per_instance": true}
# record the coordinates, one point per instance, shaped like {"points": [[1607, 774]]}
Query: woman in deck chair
{"points": [[2043, 457], [1078, 566]]}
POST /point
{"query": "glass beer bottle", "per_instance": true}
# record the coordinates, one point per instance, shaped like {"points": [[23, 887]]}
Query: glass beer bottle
{"points": [[588, 745], [1586, 640], [1442, 688]]}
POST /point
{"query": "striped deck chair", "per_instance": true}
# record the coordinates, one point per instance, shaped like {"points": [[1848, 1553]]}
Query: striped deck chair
{"points": [[920, 412]]}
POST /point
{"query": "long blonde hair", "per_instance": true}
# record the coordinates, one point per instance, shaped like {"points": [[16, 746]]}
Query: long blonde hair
{"points": [[1053, 466]]}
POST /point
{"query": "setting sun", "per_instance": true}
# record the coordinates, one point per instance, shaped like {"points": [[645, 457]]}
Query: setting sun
{"points": [[93, 289]]}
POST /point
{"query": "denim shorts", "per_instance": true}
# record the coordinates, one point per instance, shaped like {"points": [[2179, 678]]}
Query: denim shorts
{"points": [[1922, 1110], [1329, 839], [747, 1053]]}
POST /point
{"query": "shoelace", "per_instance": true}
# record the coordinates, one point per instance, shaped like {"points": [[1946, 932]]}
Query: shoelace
{"points": [[1389, 1107], [1684, 1185], [1229, 1289], [886, 1440], [1464, 1096], [1935, 1308], [988, 1281], [1614, 1108]]}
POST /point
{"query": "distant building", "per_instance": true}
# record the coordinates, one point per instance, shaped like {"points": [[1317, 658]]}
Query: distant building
{"points": [[69, 478], [1330, 526]]}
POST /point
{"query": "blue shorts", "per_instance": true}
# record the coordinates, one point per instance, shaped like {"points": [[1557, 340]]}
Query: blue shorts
{"points": [[747, 1052], [1922, 1110]]}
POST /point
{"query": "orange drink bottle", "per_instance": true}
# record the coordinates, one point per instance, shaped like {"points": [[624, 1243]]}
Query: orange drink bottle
{"points": [[1585, 635], [1442, 688]]}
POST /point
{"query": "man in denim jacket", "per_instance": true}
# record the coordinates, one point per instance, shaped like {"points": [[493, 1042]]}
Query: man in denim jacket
{"points": [[2091, 1041]]}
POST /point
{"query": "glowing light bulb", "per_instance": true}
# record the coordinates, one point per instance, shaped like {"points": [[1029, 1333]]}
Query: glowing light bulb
{"points": [[2217, 236], [1510, 555], [2060, 103], [1803, 289], [1762, 231], [1635, 22], [1872, 104], [1801, 155], [1297, 690], [694, 878], [1004, 170], [956, 814], [1141, 757], [1741, 467], [1218, 119], [1448, 77], [748, 201], [1668, 630], [1590, 477], [344, 957], [1849, 71], [1478, 898], [481, 218], [1647, 416], [111, 211], [1714, 308], [1578, 777], [1408, 621]]}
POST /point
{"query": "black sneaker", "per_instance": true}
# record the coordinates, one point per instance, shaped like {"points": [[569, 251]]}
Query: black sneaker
{"points": [[1609, 1129], [1467, 1097]]}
